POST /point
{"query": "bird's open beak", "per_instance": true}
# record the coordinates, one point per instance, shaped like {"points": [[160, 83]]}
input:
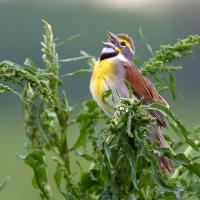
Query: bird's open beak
{"points": [[113, 39], [109, 48], [108, 45]]}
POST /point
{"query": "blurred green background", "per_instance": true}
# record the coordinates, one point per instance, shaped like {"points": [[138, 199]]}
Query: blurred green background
{"points": [[162, 21]]}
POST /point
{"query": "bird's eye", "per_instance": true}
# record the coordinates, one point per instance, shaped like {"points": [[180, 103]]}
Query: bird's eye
{"points": [[123, 43]]}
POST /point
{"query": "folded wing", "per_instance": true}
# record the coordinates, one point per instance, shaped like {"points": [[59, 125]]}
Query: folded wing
{"points": [[143, 88]]}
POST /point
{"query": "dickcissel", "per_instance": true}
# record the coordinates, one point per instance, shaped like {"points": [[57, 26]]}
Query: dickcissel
{"points": [[111, 72]]}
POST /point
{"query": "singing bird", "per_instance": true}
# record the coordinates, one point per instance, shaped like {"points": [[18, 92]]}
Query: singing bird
{"points": [[111, 72]]}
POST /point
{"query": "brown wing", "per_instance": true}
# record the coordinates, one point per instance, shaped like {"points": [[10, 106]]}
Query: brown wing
{"points": [[143, 88]]}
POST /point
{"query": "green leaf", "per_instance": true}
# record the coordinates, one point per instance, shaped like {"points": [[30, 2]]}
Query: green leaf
{"points": [[157, 175], [181, 127], [196, 129], [129, 124], [87, 119], [107, 154], [130, 91], [36, 160], [68, 39], [106, 94], [168, 196], [88, 180], [84, 155], [58, 176], [4, 182], [82, 139], [162, 58], [146, 185], [77, 73], [144, 39], [29, 63], [171, 85], [179, 157], [194, 168], [130, 156], [9, 63], [84, 57], [194, 188], [182, 158], [106, 195]]}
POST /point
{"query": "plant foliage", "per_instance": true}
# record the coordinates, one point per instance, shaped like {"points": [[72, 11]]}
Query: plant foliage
{"points": [[123, 163]]}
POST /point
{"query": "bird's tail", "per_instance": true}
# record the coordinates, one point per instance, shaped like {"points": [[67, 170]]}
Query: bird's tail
{"points": [[165, 163]]}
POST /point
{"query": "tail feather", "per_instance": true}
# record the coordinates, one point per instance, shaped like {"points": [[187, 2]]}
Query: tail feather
{"points": [[165, 163]]}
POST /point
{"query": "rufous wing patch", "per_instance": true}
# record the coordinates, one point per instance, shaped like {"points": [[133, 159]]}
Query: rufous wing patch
{"points": [[143, 88]]}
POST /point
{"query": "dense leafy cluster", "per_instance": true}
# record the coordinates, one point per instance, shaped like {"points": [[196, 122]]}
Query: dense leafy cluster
{"points": [[162, 59], [17, 75], [122, 160]]}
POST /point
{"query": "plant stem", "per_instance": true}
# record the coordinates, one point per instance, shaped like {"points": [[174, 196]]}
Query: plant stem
{"points": [[64, 151]]}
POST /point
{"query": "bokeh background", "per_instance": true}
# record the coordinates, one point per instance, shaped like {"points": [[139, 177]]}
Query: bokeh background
{"points": [[162, 21]]}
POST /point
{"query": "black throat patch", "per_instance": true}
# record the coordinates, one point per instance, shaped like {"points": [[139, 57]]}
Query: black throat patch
{"points": [[107, 55]]}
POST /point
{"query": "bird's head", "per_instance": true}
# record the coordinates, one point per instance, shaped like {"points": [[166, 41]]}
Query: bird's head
{"points": [[118, 44]]}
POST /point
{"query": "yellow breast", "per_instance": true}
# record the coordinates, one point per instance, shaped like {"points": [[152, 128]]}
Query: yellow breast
{"points": [[108, 74], [103, 70]]}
